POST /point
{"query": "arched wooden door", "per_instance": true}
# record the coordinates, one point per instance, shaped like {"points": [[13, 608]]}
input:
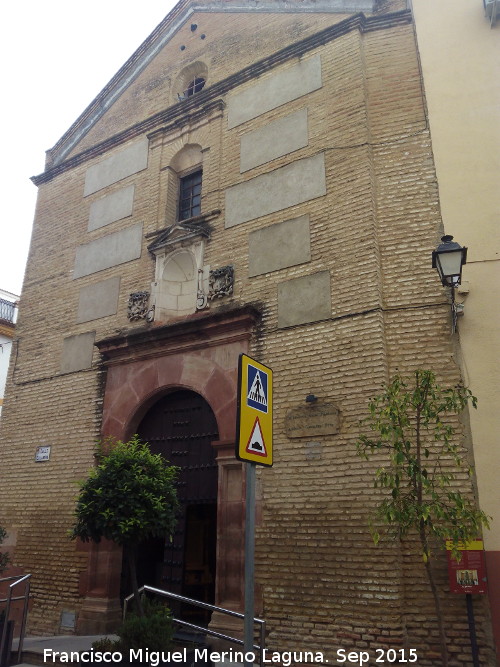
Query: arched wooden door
{"points": [[181, 427]]}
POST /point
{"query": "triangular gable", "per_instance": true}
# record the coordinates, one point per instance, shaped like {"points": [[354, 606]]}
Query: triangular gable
{"points": [[179, 233], [164, 32]]}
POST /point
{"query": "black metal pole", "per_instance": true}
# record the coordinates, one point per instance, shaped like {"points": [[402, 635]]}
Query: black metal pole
{"points": [[248, 626], [453, 311], [472, 630]]}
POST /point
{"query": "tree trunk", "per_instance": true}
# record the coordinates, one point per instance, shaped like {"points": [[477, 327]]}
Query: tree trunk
{"points": [[439, 614], [131, 556], [435, 593]]}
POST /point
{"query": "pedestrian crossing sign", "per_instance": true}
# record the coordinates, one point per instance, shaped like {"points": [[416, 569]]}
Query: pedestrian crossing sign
{"points": [[254, 437]]}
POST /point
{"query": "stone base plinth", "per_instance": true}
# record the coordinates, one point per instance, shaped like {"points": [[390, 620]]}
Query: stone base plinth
{"points": [[226, 625], [99, 616]]}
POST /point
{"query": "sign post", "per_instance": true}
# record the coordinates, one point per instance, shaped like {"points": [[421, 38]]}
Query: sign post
{"points": [[254, 445], [468, 575], [248, 623]]}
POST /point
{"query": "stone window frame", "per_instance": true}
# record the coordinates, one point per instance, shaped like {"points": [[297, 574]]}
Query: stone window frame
{"points": [[177, 168], [171, 141], [190, 81]]}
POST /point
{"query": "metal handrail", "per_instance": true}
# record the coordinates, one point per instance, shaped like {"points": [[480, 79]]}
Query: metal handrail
{"points": [[16, 581], [205, 605]]}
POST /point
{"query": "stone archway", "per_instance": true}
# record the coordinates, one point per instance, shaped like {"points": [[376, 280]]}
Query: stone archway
{"points": [[181, 427], [200, 355]]}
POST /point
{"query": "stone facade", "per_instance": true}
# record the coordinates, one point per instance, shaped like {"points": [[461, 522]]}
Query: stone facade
{"points": [[354, 300]]}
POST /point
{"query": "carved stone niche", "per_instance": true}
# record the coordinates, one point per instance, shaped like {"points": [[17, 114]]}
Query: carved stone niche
{"points": [[181, 279]]}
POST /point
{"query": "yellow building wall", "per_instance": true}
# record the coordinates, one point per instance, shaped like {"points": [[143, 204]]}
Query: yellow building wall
{"points": [[459, 52]]}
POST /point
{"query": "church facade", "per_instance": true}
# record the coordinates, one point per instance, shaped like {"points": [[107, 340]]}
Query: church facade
{"points": [[258, 178]]}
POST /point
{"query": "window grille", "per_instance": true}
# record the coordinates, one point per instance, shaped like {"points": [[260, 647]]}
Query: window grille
{"points": [[194, 86]]}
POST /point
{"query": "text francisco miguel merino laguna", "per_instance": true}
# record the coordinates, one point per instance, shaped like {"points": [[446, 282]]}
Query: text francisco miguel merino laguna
{"points": [[156, 658]]}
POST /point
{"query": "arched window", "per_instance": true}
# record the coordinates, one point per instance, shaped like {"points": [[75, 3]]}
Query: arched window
{"points": [[194, 86], [187, 165], [191, 80]]}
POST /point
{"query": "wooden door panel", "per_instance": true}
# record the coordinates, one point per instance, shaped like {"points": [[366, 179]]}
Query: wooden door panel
{"points": [[181, 427]]}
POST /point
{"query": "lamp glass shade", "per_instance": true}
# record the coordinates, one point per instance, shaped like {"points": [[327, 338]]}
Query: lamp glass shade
{"points": [[449, 266], [448, 259]]}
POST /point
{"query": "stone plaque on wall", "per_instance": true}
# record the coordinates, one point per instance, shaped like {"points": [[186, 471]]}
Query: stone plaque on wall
{"points": [[312, 420], [272, 91], [295, 183], [304, 299], [98, 300], [77, 352], [107, 251], [279, 246], [112, 207], [128, 161], [280, 137]]}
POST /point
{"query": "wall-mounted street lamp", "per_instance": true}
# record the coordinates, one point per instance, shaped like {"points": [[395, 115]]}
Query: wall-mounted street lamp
{"points": [[448, 259]]}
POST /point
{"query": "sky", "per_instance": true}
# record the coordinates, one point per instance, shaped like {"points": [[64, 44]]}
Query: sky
{"points": [[57, 56]]}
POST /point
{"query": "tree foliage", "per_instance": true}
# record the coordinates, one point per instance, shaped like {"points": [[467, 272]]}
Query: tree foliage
{"points": [[4, 558], [412, 422], [128, 498], [413, 426], [153, 631]]}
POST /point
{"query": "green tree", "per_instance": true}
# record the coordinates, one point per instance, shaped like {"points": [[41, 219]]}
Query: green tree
{"points": [[128, 498], [413, 424], [4, 558]]}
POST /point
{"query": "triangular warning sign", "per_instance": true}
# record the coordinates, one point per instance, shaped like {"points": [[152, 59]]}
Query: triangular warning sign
{"points": [[256, 444]]}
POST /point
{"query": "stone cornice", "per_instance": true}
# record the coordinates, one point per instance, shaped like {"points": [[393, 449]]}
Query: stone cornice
{"points": [[199, 331], [204, 218], [192, 119], [204, 102]]}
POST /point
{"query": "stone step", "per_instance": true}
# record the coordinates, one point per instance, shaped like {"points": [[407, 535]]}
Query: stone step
{"points": [[34, 651]]}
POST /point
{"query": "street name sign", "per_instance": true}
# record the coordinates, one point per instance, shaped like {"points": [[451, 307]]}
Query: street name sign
{"points": [[254, 433]]}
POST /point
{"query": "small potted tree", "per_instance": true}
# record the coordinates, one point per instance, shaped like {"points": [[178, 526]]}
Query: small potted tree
{"points": [[141, 636], [410, 422], [128, 498]]}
